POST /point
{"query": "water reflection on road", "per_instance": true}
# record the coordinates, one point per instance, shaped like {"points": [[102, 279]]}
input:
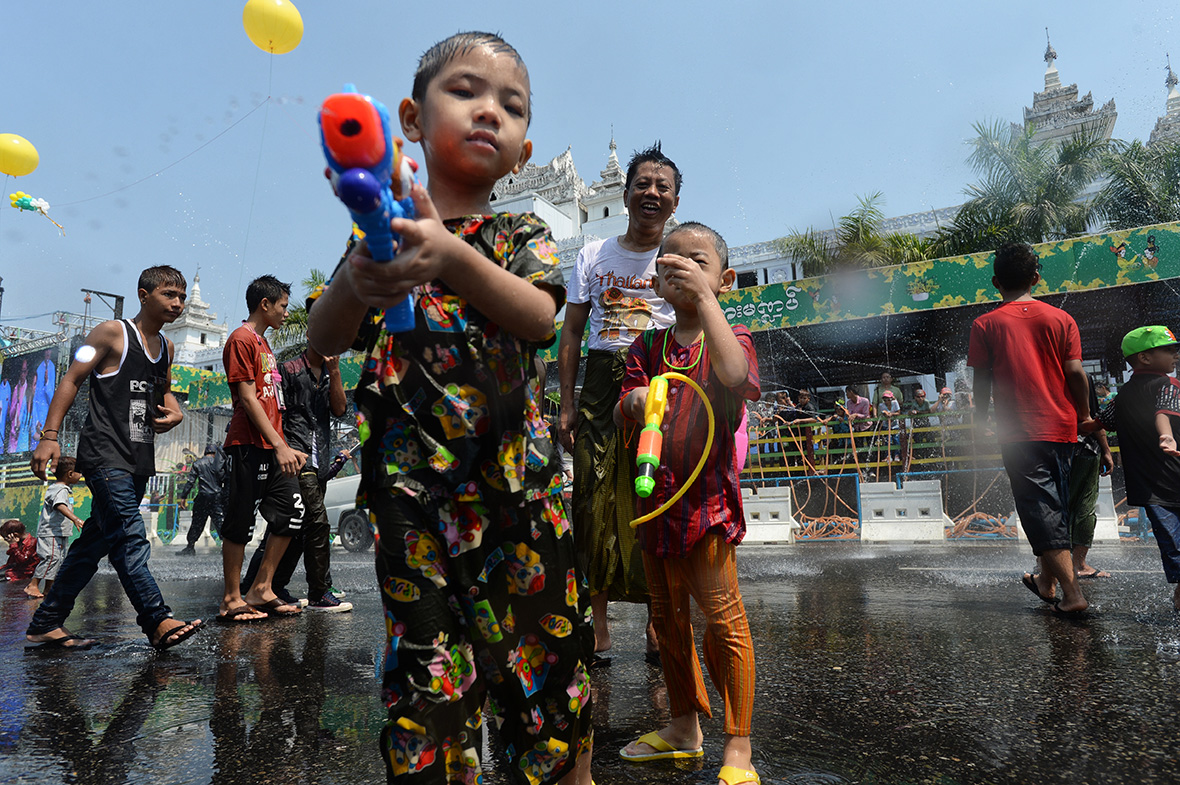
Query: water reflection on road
{"points": [[875, 664]]}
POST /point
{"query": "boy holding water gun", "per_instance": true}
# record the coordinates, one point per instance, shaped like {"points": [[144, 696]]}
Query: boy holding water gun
{"points": [[689, 550], [475, 556]]}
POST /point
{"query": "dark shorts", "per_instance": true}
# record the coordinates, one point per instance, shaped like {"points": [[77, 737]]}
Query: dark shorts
{"points": [[1084, 471], [256, 484], [1039, 474]]}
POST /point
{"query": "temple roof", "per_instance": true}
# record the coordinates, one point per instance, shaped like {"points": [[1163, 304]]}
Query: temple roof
{"points": [[557, 181], [1057, 113], [1167, 128]]}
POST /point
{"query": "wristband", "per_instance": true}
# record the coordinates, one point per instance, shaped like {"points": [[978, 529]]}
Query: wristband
{"points": [[47, 439], [47, 430]]}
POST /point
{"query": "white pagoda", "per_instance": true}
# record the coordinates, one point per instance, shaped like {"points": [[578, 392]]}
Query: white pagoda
{"points": [[196, 334], [1057, 113], [1167, 128]]}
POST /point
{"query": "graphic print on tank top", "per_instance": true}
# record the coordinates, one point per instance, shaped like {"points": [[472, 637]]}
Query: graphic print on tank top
{"points": [[145, 396]]}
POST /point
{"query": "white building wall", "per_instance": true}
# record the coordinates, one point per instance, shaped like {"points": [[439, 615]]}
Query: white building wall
{"points": [[612, 226], [560, 224]]}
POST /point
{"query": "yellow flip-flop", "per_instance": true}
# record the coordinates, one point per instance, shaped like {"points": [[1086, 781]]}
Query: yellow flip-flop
{"points": [[732, 775], [664, 750]]}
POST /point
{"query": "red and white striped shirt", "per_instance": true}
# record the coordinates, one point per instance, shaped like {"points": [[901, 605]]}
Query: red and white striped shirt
{"points": [[714, 502]]}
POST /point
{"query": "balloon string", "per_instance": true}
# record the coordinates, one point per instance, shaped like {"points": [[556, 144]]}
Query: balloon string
{"points": [[254, 192], [55, 223], [166, 168]]}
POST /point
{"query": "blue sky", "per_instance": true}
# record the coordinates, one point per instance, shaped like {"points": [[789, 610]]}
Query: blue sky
{"points": [[778, 113]]}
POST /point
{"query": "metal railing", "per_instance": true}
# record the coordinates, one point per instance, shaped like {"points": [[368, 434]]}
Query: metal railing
{"points": [[881, 448]]}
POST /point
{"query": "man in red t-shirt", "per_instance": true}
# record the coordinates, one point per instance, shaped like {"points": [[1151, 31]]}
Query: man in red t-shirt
{"points": [[1029, 355], [262, 467]]}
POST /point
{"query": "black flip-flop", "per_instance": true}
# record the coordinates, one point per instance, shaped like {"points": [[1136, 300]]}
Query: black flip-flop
{"points": [[598, 661], [1030, 583], [231, 616], [1093, 575], [271, 608], [60, 644], [175, 637], [1082, 614]]}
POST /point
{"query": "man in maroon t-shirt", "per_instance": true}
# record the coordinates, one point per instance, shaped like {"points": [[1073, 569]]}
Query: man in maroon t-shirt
{"points": [[262, 467], [1029, 355]]}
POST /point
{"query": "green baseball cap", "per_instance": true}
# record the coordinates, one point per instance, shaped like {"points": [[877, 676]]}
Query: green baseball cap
{"points": [[1142, 339]]}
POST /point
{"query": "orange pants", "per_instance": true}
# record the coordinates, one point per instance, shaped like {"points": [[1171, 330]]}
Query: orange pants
{"points": [[709, 575]]}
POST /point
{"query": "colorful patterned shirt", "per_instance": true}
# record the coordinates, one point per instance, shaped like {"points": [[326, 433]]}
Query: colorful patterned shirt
{"points": [[714, 501], [453, 408]]}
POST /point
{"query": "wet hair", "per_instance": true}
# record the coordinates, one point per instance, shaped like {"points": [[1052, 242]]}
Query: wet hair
{"points": [[153, 278], [435, 58], [65, 465], [12, 526], [265, 287], [656, 156], [1015, 266], [694, 226]]}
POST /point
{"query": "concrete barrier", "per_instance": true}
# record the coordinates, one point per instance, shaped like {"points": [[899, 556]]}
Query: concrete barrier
{"points": [[1106, 528], [153, 536], [768, 515], [912, 513]]}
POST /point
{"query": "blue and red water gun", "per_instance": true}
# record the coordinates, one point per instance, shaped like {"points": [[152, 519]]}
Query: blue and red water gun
{"points": [[363, 157]]}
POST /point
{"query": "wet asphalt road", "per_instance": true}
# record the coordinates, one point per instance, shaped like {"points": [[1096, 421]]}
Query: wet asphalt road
{"points": [[876, 664]]}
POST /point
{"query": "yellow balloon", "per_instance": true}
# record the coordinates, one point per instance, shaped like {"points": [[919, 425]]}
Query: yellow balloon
{"points": [[18, 157], [274, 26]]}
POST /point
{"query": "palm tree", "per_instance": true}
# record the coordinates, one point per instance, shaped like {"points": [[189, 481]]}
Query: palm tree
{"points": [[857, 241], [293, 333], [1143, 186], [1029, 192]]}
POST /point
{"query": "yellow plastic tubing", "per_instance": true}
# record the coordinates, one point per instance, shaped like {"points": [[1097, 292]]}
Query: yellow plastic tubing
{"points": [[700, 464]]}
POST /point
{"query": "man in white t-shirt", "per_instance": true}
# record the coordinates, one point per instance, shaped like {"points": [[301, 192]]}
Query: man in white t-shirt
{"points": [[610, 290]]}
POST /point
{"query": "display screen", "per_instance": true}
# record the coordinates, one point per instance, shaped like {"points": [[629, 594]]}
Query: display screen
{"points": [[27, 382]]}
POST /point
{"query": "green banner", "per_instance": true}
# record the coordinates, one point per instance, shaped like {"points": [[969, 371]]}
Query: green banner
{"points": [[1081, 264]]}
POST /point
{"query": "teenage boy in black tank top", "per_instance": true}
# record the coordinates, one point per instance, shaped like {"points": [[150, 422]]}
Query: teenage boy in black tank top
{"points": [[129, 364]]}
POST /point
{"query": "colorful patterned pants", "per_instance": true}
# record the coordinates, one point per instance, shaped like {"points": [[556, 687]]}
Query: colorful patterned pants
{"points": [[709, 575], [481, 602]]}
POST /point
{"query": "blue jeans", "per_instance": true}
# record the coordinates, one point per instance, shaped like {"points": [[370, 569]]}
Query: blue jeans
{"points": [[1165, 523], [115, 529]]}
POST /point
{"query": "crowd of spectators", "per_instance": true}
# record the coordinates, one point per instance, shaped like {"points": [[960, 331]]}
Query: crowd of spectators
{"points": [[881, 422]]}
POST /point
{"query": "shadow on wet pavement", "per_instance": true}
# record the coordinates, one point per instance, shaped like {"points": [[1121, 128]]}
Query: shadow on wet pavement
{"points": [[876, 664]]}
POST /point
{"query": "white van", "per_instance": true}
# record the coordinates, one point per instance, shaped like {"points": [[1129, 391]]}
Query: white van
{"points": [[352, 524]]}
